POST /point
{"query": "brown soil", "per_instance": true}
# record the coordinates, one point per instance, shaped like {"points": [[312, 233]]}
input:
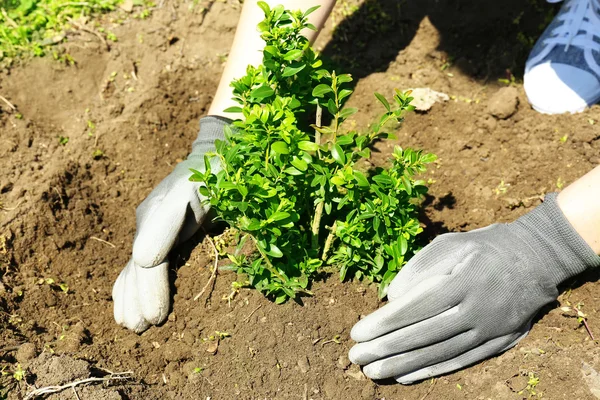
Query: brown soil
{"points": [[68, 216]]}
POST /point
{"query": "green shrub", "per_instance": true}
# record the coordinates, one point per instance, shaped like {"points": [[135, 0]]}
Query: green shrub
{"points": [[295, 189]]}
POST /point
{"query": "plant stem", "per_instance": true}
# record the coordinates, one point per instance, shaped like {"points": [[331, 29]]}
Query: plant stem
{"points": [[316, 224], [329, 241], [270, 266], [318, 123]]}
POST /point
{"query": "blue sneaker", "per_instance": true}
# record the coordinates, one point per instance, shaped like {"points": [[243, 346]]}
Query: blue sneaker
{"points": [[562, 73]]}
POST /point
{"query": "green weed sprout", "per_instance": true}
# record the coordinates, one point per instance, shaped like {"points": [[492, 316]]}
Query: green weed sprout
{"points": [[27, 27], [296, 190]]}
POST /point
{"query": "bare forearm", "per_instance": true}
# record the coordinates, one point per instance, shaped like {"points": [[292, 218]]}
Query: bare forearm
{"points": [[580, 202], [247, 45]]}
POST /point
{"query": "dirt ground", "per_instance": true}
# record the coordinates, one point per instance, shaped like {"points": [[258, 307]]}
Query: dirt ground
{"points": [[67, 212]]}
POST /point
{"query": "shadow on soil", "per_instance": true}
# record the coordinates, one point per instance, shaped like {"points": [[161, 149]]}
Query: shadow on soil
{"points": [[489, 44]]}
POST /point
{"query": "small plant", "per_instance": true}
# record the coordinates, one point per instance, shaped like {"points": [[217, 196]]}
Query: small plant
{"points": [[97, 154], [297, 190], [63, 140], [532, 382], [27, 27], [63, 287]]}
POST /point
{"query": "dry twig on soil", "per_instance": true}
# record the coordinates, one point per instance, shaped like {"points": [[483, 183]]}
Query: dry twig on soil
{"points": [[213, 276], [252, 313], [8, 103], [103, 241], [91, 31], [118, 376]]}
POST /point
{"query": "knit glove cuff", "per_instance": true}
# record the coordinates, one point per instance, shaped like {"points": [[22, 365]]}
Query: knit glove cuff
{"points": [[552, 237]]}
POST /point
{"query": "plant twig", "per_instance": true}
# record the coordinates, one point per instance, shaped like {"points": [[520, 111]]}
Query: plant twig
{"points": [[329, 241], [213, 276], [119, 376], [316, 224], [10, 348], [3, 208], [584, 321], [91, 31], [252, 313], [270, 266], [103, 241], [318, 124], [8, 103], [430, 389]]}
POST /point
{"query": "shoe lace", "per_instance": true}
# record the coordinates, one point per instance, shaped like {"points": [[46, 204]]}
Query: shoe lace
{"points": [[580, 28]]}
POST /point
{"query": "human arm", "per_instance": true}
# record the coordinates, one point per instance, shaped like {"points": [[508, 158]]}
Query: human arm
{"points": [[468, 296], [174, 210]]}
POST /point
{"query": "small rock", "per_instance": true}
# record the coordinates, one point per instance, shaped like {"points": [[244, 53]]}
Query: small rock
{"points": [[343, 361], [355, 373], [591, 378], [368, 391], [50, 370], [72, 339], [504, 102], [425, 98], [25, 353], [303, 364], [127, 6], [213, 347]]}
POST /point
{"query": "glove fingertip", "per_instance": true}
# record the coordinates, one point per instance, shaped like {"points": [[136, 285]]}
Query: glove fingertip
{"points": [[361, 331]]}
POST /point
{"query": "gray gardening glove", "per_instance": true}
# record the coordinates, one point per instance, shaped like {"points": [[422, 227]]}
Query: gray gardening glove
{"points": [[468, 296], [170, 214]]}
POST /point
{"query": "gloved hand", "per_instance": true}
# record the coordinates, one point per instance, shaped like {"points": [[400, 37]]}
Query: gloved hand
{"points": [[170, 214], [468, 296]]}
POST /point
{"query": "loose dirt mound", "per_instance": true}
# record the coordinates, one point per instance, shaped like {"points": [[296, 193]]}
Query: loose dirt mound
{"points": [[67, 212]]}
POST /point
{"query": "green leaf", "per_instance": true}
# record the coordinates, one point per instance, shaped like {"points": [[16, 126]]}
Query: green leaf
{"points": [[343, 78], [265, 7], [344, 140], [299, 163], [407, 185], [308, 146], [310, 11], [234, 109], [338, 154], [274, 251], [280, 147], [293, 69], [279, 215], [346, 112], [262, 92], [254, 225], [292, 171], [331, 107], [278, 11], [338, 181], [382, 179], [204, 191], [343, 94], [383, 101], [402, 244], [428, 158], [280, 299], [292, 55], [361, 179], [321, 90]]}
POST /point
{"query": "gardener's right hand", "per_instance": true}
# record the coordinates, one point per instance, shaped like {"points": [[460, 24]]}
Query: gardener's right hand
{"points": [[170, 214], [468, 296]]}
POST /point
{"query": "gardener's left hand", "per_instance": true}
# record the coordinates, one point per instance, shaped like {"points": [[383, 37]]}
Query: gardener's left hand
{"points": [[468, 296]]}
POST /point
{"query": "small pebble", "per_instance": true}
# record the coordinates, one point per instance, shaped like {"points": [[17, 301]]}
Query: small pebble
{"points": [[303, 364], [504, 103]]}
